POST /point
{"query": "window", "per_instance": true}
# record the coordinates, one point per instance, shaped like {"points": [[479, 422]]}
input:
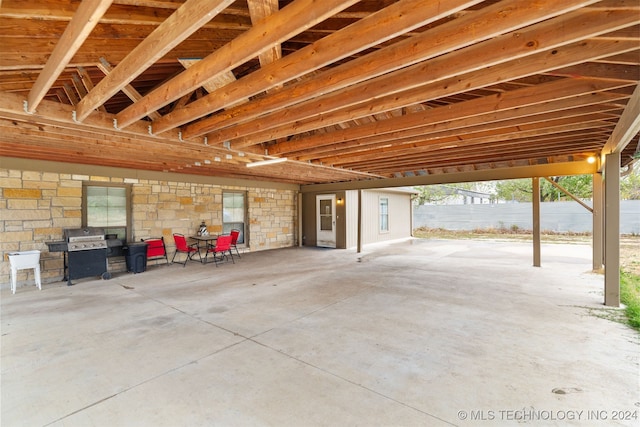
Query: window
{"points": [[107, 207], [384, 214], [233, 213], [326, 214]]}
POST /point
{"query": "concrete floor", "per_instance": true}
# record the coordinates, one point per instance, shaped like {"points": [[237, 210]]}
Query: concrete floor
{"points": [[413, 333]]}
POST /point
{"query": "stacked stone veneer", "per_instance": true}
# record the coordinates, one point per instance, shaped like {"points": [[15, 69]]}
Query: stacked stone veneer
{"points": [[35, 207]]}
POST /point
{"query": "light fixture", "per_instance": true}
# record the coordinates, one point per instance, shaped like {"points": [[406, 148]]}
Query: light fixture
{"points": [[340, 200], [591, 159], [267, 162]]}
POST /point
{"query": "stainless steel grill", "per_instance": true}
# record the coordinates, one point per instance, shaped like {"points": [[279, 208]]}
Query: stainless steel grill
{"points": [[87, 253], [85, 239]]}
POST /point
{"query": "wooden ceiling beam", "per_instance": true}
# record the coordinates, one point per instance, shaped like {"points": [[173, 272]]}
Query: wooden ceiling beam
{"points": [[71, 94], [600, 71], [180, 25], [438, 168], [627, 127], [118, 14], [526, 149], [67, 133], [88, 85], [259, 10], [31, 54], [401, 150], [458, 129], [61, 116], [370, 31], [211, 85], [500, 84], [61, 147], [447, 74], [462, 32], [459, 160], [585, 143], [46, 32], [104, 66], [553, 58], [625, 58], [84, 20], [563, 92], [485, 174], [54, 10], [291, 20], [505, 146]]}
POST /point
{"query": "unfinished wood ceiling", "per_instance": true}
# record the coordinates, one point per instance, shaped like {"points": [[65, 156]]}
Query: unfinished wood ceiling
{"points": [[345, 90]]}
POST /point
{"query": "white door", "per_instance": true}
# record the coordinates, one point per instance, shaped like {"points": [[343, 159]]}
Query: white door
{"points": [[326, 220]]}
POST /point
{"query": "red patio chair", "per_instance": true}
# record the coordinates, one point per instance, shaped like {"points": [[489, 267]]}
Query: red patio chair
{"points": [[182, 246], [234, 240], [219, 251], [156, 249]]}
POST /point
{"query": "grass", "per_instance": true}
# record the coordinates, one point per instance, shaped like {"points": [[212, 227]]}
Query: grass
{"points": [[630, 297], [629, 250]]}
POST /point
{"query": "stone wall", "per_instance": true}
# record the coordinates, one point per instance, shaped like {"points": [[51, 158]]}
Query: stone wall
{"points": [[35, 207]]}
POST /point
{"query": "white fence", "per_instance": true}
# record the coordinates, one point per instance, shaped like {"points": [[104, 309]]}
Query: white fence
{"points": [[554, 216]]}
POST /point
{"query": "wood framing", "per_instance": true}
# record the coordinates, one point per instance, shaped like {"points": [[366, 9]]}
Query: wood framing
{"points": [[346, 91], [346, 95]]}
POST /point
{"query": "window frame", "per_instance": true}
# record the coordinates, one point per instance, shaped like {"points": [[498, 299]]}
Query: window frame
{"points": [[242, 239], [99, 184], [383, 217]]}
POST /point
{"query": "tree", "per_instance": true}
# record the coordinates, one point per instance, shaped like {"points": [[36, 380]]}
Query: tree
{"points": [[430, 194], [438, 193], [520, 190], [630, 184]]}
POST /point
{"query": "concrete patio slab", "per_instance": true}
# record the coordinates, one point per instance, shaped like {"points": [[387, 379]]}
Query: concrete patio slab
{"points": [[412, 333]]}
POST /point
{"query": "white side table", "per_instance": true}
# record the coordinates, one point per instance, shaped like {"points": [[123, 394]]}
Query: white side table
{"points": [[23, 261]]}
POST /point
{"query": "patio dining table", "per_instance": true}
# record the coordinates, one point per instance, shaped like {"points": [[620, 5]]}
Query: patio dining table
{"points": [[204, 241]]}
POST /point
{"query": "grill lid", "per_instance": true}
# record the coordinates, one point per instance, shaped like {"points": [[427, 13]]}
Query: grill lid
{"points": [[83, 234], [83, 239]]}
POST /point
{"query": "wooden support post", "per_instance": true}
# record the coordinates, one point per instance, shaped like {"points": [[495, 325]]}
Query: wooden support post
{"points": [[612, 230], [598, 223], [536, 221]]}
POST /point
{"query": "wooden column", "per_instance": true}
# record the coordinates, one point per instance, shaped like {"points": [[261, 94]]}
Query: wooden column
{"points": [[536, 221], [612, 230], [598, 223]]}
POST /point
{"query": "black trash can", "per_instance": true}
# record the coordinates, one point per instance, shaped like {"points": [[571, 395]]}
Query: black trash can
{"points": [[135, 255]]}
